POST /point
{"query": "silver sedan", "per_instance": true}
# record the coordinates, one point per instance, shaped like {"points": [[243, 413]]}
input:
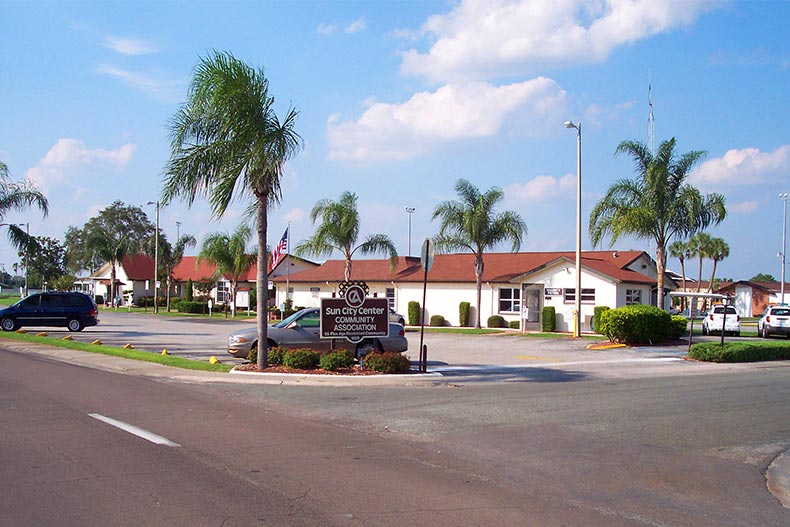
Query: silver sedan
{"points": [[302, 330]]}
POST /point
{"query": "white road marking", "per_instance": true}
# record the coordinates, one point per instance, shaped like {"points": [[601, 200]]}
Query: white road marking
{"points": [[135, 430]]}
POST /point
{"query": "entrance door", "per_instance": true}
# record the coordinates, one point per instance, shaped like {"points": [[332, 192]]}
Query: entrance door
{"points": [[532, 295]]}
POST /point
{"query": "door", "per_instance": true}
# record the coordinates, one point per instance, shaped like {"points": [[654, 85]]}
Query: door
{"points": [[532, 295]]}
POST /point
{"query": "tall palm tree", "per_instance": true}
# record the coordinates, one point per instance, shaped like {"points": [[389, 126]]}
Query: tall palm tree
{"points": [[19, 196], [718, 250], [339, 230], [699, 246], [658, 204], [229, 253], [681, 250], [169, 258], [111, 247], [471, 224], [227, 143]]}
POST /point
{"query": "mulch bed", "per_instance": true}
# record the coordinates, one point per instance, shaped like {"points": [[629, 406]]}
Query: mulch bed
{"points": [[353, 370]]}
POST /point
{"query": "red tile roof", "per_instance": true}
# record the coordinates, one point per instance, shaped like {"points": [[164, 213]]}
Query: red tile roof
{"points": [[138, 267], [190, 268], [499, 267]]}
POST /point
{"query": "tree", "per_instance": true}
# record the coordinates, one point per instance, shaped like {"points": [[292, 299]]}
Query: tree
{"points": [[229, 254], [47, 262], [718, 250], [169, 258], [700, 248], [111, 247], [681, 250], [339, 230], [19, 196], [226, 143], [763, 277], [658, 204], [471, 224]]}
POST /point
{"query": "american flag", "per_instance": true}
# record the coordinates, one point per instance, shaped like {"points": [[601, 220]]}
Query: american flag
{"points": [[279, 252]]}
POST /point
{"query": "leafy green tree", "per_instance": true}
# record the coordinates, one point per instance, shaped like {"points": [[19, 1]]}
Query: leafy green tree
{"points": [[718, 250], [18, 196], [763, 277], [226, 143], [472, 224], [658, 204], [169, 257], [47, 262], [111, 247], [339, 230], [229, 253]]}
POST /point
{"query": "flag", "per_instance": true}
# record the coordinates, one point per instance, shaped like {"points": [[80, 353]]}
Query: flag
{"points": [[280, 250]]}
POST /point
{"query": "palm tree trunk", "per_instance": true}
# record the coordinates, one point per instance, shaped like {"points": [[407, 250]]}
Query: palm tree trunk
{"points": [[713, 274], [168, 284], [347, 269], [234, 286], [479, 283], [683, 274], [661, 263], [262, 286], [112, 283]]}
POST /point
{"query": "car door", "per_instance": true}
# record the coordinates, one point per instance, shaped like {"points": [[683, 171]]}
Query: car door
{"points": [[305, 332], [51, 310], [27, 311]]}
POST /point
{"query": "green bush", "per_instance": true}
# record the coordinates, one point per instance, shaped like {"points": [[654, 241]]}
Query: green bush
{"points": [[514, 324], [334, 360], [301, 359], [635, 324], [193, 307], [275, 355], [189, 294], [548, 319], [753, 351], [414, 313], [175, 303], [437, 321], [678, 327], [463, 314], [496, 321], [387, 362], [597, 310]]}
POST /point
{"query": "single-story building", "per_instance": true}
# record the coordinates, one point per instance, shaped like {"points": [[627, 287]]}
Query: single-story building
{"points": [[515, 285], [751, 298], [132, 274]]}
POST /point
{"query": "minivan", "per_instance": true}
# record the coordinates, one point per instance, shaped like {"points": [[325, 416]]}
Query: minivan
{"points": [[74, 311]]}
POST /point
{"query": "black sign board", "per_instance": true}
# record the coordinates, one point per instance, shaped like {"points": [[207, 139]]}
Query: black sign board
{"points": [[553, 291], [354, 320]]}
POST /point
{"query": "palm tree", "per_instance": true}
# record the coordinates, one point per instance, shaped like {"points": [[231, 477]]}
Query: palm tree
{"points": [[471, 224], [169, 258], [718, 250], [681, 250], [699, 246], [229, 254], [111, 247], [339, 230], [658, 204], [227, 143], [19, 196]]}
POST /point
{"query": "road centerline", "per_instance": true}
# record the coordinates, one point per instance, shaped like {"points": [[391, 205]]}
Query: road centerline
{"points": [[135, 430]]}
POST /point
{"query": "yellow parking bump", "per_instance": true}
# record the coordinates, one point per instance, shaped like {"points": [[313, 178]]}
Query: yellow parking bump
{"points": [[42, 334], [96, 342], [164, 352], [68, 337], [213, 360], [21, 331], [127, 346], [608, 346]]}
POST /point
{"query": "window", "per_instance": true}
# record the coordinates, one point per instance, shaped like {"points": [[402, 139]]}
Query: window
{"points": [[633, 296], [391, 297], [223, 291], [588, 295], [509, 299], [315, 292]]}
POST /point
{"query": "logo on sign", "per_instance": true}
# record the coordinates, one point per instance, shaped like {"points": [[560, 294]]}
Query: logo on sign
{"points": [[355, 296]]}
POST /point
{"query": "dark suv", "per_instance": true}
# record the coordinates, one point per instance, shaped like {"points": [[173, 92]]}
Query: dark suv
{"points": [[72, 310]]}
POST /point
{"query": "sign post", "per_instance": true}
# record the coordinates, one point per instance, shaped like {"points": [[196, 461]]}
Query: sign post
{"points": [[426, 261]]}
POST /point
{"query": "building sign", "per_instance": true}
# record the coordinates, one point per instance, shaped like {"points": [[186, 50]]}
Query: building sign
{"points": [[553, 291], [354, 316]]}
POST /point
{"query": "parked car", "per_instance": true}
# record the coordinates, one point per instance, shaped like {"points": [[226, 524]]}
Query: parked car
{"points": [[302, 330], [397, 318], [74, 311], [775, 321], [714, 319]]}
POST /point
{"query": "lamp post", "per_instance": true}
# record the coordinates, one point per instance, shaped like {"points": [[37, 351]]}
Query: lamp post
{"points": [[410, 211], [784, 196], [156, 258], [178, 231], [577, 330]]}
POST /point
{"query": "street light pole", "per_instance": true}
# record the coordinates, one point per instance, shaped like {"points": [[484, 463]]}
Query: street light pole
{"points": [[178, 231], [784, 196], [577, 330], [156, 258], [410, 211]]}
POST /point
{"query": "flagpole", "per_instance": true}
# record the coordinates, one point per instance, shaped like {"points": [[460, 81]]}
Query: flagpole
{"points": [[288, 263]]}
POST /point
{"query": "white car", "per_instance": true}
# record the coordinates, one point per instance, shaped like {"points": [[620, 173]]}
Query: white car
{"points": [[775, 321], [712, 323]]}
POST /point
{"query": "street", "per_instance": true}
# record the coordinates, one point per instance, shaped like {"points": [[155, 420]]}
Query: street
{"points": [[583, 449]]}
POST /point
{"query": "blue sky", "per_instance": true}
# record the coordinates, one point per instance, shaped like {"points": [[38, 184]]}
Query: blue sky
{"points": [[398, 100]]}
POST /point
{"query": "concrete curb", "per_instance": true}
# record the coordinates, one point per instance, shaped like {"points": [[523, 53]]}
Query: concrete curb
{"points": [[777, 479]]}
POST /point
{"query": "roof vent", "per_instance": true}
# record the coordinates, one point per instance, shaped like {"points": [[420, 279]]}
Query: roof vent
{"points": [[615, 255]]}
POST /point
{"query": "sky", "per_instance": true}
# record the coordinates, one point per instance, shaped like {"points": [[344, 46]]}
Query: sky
{"points": [[398, 100]]}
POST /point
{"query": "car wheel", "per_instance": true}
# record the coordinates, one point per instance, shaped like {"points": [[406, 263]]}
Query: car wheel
{"points": [[74, 324], [704, 329], [367, 346], [765, 332], [8, 324]]}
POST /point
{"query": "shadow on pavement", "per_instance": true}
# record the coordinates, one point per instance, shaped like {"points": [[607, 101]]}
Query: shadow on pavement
{"points": [[511, 374]]}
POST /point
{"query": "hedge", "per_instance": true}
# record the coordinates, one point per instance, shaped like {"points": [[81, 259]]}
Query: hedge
{"points": [[414, 313], [463, 313], [753, 351], [496, 321], [387, 362], [437, 321], [597, 310], [636, 324], [548, 322]]}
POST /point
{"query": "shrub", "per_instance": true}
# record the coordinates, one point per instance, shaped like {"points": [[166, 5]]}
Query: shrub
{"points": [[463, 314], [678, 327], [414, 313], [193, 307], [387, 362], [175, 302], [301, 359], [596, 321], [189, 295], [334, 360], [275, 355], [496, 321], [514, 324], [437, 320], [548, 319], [753, 351], [637, 323]]}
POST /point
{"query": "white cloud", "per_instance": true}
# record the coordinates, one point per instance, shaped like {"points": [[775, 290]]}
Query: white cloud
{"points": [[171, 90], [539, 188], [481, 39], [66, 155], [295, 215], [743, 167], [326, 29], [451, 113], [744, 207], [129, 46], [360, 24]]}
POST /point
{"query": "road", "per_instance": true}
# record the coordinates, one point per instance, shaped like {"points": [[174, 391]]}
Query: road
{"points": [[589, 449]]}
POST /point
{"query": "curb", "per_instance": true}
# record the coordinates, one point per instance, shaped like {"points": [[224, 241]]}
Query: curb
{"points": [[777, 479]]}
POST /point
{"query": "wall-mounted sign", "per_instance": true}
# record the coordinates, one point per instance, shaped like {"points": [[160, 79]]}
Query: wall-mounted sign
{"points": [[553, 291]]}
